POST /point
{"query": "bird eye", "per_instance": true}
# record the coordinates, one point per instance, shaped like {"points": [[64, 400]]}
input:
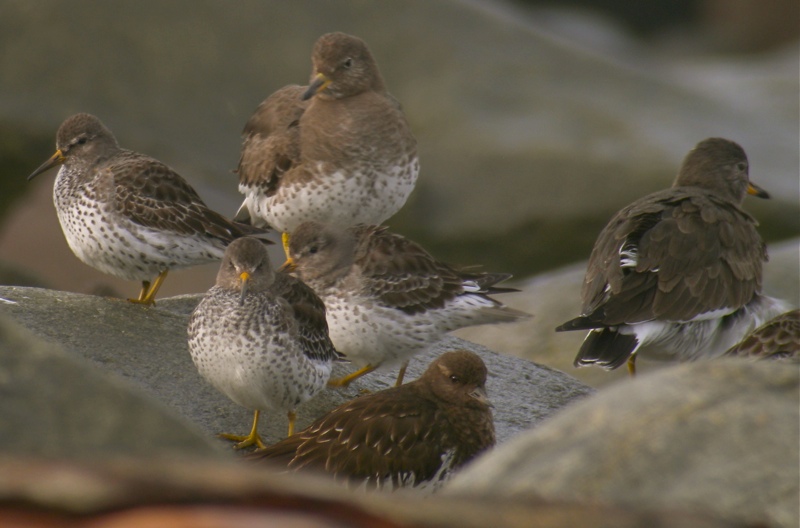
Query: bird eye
{"points": [[454, 378], [312, 250], [741, 166], [81, 140], [348, 63]]}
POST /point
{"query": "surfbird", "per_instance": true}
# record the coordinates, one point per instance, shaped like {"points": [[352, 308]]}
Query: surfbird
{"points": [[676, 275], [127, 214], [386, 298], [778, 338], [260, 337], [337, 151], [416, 435]]}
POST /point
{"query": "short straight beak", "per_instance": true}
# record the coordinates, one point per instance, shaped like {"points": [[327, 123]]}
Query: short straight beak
{"points": [[479, 393], [56, 159], [756, 191], [319, 83], [244, 276]]}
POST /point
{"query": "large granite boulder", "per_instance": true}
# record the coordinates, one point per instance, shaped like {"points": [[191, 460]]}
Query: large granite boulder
{"points": [[146, 347], [104, 420], [720, 436]]}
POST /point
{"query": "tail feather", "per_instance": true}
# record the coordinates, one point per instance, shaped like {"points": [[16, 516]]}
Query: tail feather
{"points": [[606, 348]]}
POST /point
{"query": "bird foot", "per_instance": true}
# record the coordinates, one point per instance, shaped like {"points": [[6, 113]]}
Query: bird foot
{"points": [[244, 440]]}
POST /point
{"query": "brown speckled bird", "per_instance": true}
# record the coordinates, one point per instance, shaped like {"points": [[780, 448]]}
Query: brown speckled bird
{"points": [[414, 435], [386, 298], [778, 338], [677, 274], [260, 337], [337, 151], [127, 214]]}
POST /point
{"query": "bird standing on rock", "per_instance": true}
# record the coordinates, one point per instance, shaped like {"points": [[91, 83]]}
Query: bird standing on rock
{"points": [[260, 337], [677, 274], [415, 435], [127, 214], [386, 298], [338, 151]]}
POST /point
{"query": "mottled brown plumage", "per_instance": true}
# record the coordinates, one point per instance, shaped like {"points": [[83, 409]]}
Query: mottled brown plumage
{"points": [[413, 435], [386, 298], [337, 151], [127, 214], [778, 338], [679, 269]]}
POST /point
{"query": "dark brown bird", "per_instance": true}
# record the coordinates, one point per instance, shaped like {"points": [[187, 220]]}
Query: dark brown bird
{"points": [[386, 298], [778, 338], [414, 435], [677, 274], [337, 151], [127, 214]]}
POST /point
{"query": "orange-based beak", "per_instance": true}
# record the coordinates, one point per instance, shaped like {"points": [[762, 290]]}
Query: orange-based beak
{"points": [[245, 277], [56, 159], [319, 83], [756, 191]]}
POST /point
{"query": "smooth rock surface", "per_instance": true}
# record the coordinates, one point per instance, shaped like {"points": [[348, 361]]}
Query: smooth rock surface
{"points": [[53, 404], [720, 437], [147, 347]]}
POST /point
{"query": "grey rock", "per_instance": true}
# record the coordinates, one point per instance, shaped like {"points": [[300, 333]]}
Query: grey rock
{"points": [[719, 437], [56, 405], [147, 347]]}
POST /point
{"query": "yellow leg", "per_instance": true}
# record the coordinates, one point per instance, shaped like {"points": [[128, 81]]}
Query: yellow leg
{"points": [[632, 365], [148, 294], [244, 441], [292, 417], [347, 380], [285, 242], [401, 374], [143, 293]]}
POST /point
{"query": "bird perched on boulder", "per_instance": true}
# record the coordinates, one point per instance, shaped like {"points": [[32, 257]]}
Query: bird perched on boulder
{"points": [[415, 435], [338, 151], [260, 337], [386, 298], [127, 214], [676, 275]]}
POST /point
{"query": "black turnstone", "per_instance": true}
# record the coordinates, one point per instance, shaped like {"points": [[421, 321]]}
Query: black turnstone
{"points": [[778, 338], [386, 298], [127, 214], [415, 435], [676, 275], [260, 337], [337, 151]]}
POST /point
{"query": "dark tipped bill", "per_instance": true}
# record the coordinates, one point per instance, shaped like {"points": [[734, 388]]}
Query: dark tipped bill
{"points": [[756, 191], [56, 159], [245, 277], [320, 83]]}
